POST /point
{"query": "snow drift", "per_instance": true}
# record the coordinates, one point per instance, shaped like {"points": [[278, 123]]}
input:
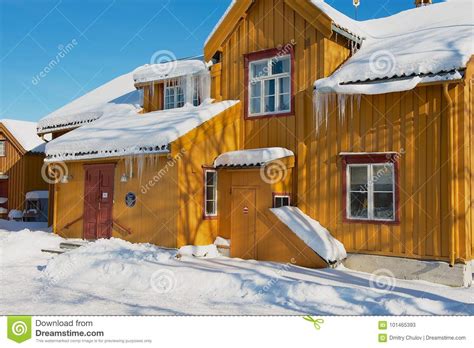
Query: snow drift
{"points": [[312, 234]]}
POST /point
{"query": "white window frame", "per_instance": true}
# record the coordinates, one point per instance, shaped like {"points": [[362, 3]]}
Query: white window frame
{"points": [[3, 148], [175, 87], [370, 191], [206, 213], [262, 80], [276, 196]]}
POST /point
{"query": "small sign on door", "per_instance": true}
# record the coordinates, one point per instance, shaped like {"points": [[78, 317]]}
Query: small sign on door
{"points": [[246, 210], [105, 195]]}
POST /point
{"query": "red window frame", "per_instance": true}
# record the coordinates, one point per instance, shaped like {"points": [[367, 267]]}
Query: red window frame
{"points": [[280, 194], [284, 50], [371, 158], [205, 216]]}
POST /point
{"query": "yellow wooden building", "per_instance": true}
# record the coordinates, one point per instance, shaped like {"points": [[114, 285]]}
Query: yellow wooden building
{"points": [[21, 161], [307, 114]]}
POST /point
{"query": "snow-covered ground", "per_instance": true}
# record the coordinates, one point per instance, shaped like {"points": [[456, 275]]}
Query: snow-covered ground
{"points": [[118, 278]]}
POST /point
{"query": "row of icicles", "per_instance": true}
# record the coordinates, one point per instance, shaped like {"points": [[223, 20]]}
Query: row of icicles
{"points": [[324, 104]]}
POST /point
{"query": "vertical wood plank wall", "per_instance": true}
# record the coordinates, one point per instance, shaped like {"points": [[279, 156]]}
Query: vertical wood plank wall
{"points": [[201, 147], [24, 173], [414, 122]]}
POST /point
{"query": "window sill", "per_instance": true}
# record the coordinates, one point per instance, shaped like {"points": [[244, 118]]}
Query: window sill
{"points": [[371, 222], [210, 217], [281, 114]]}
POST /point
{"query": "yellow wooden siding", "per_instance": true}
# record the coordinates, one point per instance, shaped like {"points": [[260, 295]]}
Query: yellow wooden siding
{"points": [[413, 124], [200, 147], [151, 220], [23, 170]]}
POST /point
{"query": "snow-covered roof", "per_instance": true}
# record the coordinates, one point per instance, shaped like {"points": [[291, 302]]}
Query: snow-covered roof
{"points": [[25, 133], [92, 105], [168, 70], [311, 233], [410, 45], [130, 133], [33, 195], [252, 157]]}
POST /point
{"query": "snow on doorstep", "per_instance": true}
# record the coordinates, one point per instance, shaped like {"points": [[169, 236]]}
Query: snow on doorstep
{"points": [[25, 133], [311, 233], [201, 251], [252, 157], [168, 70], [420, 41], [130, 133], [92, 105], [32, 195]]}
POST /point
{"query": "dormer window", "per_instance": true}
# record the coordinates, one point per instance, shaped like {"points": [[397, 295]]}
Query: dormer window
{"points": [[174, 94]]}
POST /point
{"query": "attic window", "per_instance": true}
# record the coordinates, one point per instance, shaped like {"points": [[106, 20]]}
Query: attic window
{"points": [[281, 200], [269, 86], [174, 94]]}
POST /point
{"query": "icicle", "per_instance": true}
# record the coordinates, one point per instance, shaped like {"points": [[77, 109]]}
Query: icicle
{"points": [[341, 104], [140, 166]]}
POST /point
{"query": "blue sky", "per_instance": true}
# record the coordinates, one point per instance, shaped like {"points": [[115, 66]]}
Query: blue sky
{"points": [[109, 38]]}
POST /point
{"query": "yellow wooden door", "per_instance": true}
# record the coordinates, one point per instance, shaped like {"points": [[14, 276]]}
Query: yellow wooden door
{"points": [[243, 222]]}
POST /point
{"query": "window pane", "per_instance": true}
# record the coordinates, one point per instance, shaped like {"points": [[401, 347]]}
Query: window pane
{"points": [[269, 104], [359, 205], [284, 100], [281, 65], [383, 178], [270, 87], [255, 105], [210, 208], [259, 69], [210, 193], [284, 85], [358, 178], [210, 178], [256, 89], [383, 206]]}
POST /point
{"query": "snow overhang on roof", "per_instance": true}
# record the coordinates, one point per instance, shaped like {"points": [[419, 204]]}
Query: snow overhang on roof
{"points": [[130, 133], [92, 106], [25, 134], [168, 70], [251, 158], [433, 45]]}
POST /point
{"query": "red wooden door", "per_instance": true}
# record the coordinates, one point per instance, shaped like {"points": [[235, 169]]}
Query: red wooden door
{"points": [[98, 201]]}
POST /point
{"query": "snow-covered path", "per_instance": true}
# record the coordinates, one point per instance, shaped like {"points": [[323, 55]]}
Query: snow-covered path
{"points": [[118, 278]]}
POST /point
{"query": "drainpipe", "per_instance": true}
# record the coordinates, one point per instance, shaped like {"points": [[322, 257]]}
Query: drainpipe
{"points": [[451, 198]]}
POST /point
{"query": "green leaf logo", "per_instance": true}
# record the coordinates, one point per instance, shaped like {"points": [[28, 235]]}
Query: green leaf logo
{"points": [[316, 322], [19, 328]]}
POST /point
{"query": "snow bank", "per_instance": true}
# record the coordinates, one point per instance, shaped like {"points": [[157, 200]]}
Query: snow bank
{"points": [[114, 277], [168, 70], [93, 105], [433, 39], [311, 233], [204, 251], [25, 133], [131, 133], [222, 242], [252, 157]]}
